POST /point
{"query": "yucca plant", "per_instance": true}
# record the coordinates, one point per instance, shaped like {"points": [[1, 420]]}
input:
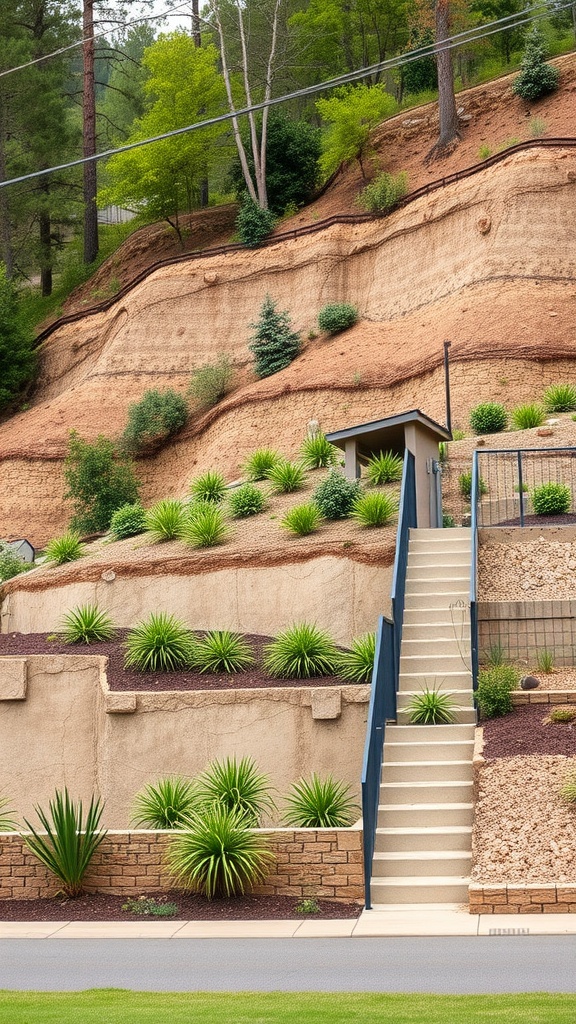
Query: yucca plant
{"points": [[7, 821], [167, 803], [246, 500], [222, 651], [526, 416], [259, 464], [86, 624], [317, 452], [160, 644], [70, 841], [165, 519], [374, 508], [127, 521], [237, 785], [220, 855], [210, 486], [205, 526], [357, 664], [560, 398], [431, 707], [302, 519], [301, 652], [286, 477], [384, 468], [320, 803], [66, 548]]}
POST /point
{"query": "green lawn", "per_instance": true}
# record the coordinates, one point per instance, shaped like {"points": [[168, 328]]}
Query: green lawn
{"points": [[116, 1006]]}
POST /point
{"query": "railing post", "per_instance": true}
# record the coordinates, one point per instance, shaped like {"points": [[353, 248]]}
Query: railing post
{"points": [[521, 487]]}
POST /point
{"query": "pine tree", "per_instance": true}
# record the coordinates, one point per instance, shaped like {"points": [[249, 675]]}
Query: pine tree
{"points": [[17, 355], [274, 344], [536, 77]]}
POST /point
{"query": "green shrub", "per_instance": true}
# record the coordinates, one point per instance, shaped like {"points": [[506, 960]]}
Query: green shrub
{"points": [[317, 452], [219, 650], [7, 820], [165, 520], [10, 563], [286, 477], [253, 224], [494, 693], [300, 652], [86, 624], [211, 382], [551, 499], [336, 495], [152, 420], [448, 521], [536, 78], [526, 416], [568, 790], [18, 356], [465, 485], [484, 152], [307, 906], [374, 509], [245, 501], [149, 906], [99, 481], [431, 707], [165, 804], [357, 664], [488, 418], [560, 398], [384, 468], [562, 713], [545, 661], [205, 526], [538, 127], [320, 803], [128, 521], [66, 548], [274, 344], [384, 192], [302, 519], [237, 786], [337, 316], [209, 486], [70, 841], [220, 855], [259, 464], [159, 644]]}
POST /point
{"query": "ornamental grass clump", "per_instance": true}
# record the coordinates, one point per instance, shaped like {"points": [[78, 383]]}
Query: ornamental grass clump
{"points": [[336, 495], [220, 855], [465, 485], [357, 664], [259, 464], [219, 650], [488, 418], [551, 499], [302, 519], [494, 693], [287, 477], [209, 486], [246, 500], [320, 803], [7, 820], [70, 841], [337, 316], [301, 652], [165, 520], [237, 786], [86, 624], [384, 468], [66, 548], [560, 398], [317, 452], [431, 707], [127, 521], [211, 382], [165, 804], [524, 417], [205, 526], [374, 508], [545, 661], [160, 644]]}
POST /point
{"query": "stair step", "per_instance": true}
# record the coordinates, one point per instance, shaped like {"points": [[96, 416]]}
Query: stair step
{"points": [[427, 771], [435, 837], [436, 608], [415, 682], [421, 733], [436, 569], [423, 863], [435, 662], [462, 716], [425, 792], [438, 549], [440, 535], [431, 632], [418, 889], [435, 646], [418, 751], [461, 698], [419, 586], [423, 815]]}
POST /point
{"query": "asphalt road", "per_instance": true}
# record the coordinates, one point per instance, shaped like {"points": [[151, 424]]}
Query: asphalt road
{"points": [[444, 965]]}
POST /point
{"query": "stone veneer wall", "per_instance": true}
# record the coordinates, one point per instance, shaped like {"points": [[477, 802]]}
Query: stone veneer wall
{"points": [[508, 898], [323, 863]]}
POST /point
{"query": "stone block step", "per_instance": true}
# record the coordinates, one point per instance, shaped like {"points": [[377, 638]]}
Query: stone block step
{"points": [[420, 889], [439, 750], [422, 733], [434, 632], [427, 771], [434, 662], [435, 837], [423, 863], [463, 698], [463, 716], [423, 815], [425, 792], [437, 569]]}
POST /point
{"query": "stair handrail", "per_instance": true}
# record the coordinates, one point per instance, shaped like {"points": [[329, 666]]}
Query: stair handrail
{"points": [[385, 673], [474, 495]]}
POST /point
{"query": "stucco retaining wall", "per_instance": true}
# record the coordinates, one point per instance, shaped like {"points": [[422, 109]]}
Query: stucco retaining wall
{"points": [[308, 862], [60, 725]]}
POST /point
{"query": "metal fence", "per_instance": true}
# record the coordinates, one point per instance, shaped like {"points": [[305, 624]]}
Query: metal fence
{"points": [[508, 480]]}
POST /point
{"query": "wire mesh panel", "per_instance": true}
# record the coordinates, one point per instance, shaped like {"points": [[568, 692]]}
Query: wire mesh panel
{"points": [[527, 487]]}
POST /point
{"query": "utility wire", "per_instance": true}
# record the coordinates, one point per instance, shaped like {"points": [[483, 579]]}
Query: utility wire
{"points": [[470, 35]]}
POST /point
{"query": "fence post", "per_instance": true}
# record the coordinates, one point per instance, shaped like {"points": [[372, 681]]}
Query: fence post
{"points": [[521, 487]]}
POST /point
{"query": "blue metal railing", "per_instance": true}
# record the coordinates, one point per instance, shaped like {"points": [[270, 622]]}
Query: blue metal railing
{"points": [[474, 495], [385, 673]]}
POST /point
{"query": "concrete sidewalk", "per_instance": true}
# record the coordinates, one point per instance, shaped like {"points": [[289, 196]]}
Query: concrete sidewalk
{"points": [[394, 921]]}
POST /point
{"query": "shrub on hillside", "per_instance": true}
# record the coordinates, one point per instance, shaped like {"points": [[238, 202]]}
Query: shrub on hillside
{"points": [[382, 194], [210, 382], [465, 485], [253, 224], [99, 482], [337, 316], [336, 495], [245, 501], [526, 416], [494, 693], [128, 521], [536, 78], [274, 344], [488, 418], [560, 398], [10, 563], [152, 420], [551, 499]]}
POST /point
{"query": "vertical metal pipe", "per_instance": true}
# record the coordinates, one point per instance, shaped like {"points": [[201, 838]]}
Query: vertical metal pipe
{"points": [[521, 487], [447, 385]]}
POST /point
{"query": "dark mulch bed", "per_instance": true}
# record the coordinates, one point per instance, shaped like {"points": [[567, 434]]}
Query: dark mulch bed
{"points": [[568, 519], [100, 907], [120, 678], [523, 732]]}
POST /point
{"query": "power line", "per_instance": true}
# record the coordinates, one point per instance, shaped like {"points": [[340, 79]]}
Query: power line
{"points": [[470, 35]]}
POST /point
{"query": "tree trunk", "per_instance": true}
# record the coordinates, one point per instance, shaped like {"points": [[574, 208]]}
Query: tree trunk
{"points": [[89, 136], [449, 126], [45, 226]]}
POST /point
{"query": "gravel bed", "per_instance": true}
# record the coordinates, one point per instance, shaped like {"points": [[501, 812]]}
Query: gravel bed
{"points": [[523, 732]]}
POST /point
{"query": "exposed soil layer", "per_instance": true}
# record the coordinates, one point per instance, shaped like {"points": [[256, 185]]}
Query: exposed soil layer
{"points": [[101, 907], [120, 678], [523, 732]]}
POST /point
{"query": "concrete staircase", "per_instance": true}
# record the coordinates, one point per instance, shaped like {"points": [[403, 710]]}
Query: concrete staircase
{"points": [[423, 840]]}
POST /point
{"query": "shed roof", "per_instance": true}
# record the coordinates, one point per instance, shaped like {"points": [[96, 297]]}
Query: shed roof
{"points": [[388, 432]]}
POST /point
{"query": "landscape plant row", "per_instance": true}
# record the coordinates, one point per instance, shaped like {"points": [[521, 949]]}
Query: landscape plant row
{"points": [[549, 499], [492, 417]]}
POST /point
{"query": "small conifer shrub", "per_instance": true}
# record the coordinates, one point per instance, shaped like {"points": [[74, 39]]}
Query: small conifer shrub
{"points": [[253, 224], [337, 316], [536, 78], [274, 344]]}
